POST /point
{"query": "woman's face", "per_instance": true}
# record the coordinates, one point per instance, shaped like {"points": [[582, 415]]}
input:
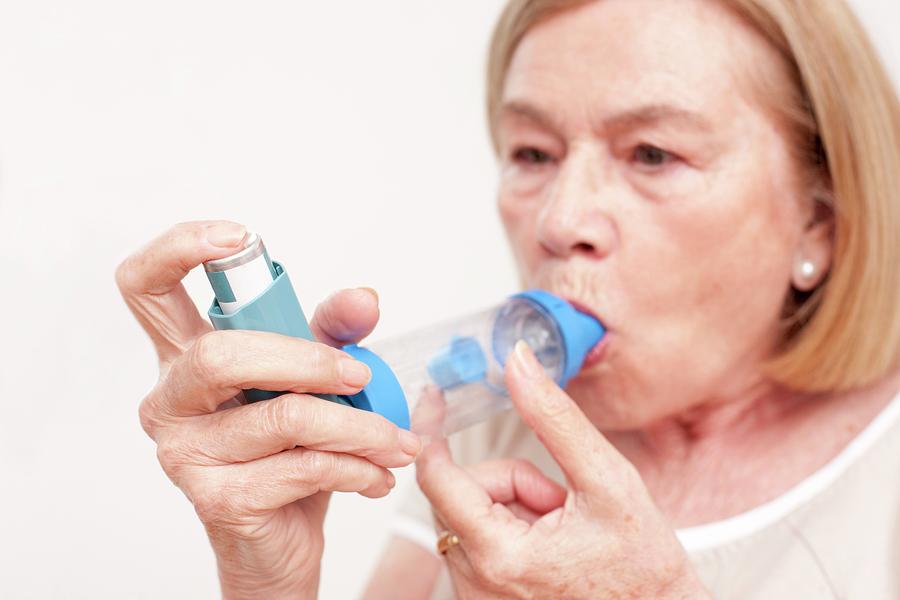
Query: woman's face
{"points": [[645, 178]]}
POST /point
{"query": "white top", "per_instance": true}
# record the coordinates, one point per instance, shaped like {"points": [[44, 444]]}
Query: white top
{"points": [[836, 534]]}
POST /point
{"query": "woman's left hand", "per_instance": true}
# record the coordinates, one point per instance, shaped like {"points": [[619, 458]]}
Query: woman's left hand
{"points": [[521, 535]]}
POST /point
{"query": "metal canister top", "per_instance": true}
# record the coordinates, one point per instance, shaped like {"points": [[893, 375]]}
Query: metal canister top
{"points": [[253, 247]]}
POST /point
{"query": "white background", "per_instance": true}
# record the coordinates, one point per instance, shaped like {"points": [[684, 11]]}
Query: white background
{"points": [[350, 134]]}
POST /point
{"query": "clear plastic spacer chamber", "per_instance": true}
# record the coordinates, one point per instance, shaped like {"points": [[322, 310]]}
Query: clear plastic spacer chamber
{"points": [[451, 374]]}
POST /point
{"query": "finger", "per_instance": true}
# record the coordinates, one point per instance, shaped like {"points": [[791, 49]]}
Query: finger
{"points": [[457, 560], [518, 482], [457, 497], [523, 513], [150, 281], [427, 418], [248, 432], [588, 460], [258, 487], [345, 317], [222, 363], [459, 565]]}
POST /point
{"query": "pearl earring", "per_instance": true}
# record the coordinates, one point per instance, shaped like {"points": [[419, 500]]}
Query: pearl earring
{"points": [[807, 269]]}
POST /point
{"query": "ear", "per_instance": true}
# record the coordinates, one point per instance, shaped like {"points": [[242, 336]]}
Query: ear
{"points": [[815, 250]]}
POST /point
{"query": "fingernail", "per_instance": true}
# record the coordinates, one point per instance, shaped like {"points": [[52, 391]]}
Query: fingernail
{"points": [[226, 235], [371, 291], [354, 373], [410, 442], [528, 363]]}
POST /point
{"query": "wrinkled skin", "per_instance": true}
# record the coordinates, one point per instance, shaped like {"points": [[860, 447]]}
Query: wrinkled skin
{"points": [[259, 475], [645, 177], [522, 535]]}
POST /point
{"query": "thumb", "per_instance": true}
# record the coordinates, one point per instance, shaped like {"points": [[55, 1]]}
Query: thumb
{"points": [[518, 481], [345, 317]]}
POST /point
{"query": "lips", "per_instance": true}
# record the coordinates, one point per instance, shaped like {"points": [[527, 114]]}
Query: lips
{"points": [[596, 354], [582, 308]]}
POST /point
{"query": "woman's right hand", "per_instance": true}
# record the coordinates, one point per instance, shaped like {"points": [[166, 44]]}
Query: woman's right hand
{"points": [[259, 475]]}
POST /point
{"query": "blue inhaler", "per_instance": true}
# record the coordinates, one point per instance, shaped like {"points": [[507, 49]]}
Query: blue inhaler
{"points": [[447, 377]]}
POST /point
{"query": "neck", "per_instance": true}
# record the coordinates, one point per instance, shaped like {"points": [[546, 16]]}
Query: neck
{"points": [[728, 455], [720, 421]]}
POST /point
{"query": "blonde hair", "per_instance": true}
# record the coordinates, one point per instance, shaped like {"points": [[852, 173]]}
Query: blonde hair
{"points": [[845, 121]]}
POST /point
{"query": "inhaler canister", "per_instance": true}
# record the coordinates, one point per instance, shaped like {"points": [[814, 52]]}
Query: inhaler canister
{"points": [[241, 277], [252, 292]]}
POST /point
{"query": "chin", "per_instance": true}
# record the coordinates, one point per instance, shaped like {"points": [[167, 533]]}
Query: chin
{"points": [[606, 403]]}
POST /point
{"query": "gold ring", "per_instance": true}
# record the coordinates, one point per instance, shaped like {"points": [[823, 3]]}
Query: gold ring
{"points": [[447, 540]]}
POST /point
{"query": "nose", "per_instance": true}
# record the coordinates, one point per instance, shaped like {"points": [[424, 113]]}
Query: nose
{"points": [[573, 219]]}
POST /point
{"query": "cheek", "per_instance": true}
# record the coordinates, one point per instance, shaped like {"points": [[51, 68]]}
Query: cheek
{"points": [[510, 212], [727, 272], [733, 232], [702, 286], [519, 217], [737, 254], [745, 240]]}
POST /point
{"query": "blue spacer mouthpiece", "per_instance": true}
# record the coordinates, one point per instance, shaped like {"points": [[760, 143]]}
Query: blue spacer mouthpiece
{"points": [[383, 394], [580, 332]]}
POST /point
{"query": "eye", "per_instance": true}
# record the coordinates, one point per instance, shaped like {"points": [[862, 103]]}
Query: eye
{"points": [[531, 156], [651, 156]]}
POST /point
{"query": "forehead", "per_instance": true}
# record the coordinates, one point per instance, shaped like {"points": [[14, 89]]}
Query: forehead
{"points": [[609, 55]]}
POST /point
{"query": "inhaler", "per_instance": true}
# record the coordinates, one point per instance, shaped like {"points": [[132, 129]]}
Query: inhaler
{"points": [[435, 381]]}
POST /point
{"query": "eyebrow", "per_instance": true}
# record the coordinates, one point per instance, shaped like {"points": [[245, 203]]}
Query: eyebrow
{"points": [[642, 116]]}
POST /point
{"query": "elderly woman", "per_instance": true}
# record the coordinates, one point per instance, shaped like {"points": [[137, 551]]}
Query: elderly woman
{"points": [[718, 182]]}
